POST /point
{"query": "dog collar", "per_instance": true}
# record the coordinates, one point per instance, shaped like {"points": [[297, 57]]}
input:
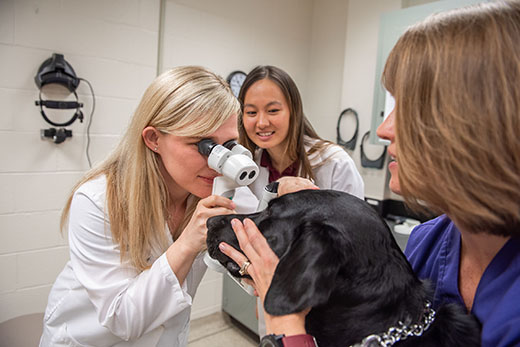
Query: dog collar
{"points": [[401, 331]]}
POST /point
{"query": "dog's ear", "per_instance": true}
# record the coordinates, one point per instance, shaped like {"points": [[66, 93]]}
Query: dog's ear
{"points": [[307, 272]]}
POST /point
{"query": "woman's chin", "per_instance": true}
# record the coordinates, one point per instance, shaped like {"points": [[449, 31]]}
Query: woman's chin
{"points": [[394, 186], [202, 192]]}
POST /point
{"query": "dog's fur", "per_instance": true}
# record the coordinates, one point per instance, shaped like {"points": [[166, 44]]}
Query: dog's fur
{"points": [[338, 256]]}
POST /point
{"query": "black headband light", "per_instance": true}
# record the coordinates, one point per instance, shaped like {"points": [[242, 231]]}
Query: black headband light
{"points": [[61, 105], [56, 70]]}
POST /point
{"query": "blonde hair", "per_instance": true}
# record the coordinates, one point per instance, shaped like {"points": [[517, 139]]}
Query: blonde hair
{"points": [[299, 125], [185, 101], [455, 78]]}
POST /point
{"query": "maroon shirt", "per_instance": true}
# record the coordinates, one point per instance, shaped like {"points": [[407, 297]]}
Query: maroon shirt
{"points": [[265, 161]]}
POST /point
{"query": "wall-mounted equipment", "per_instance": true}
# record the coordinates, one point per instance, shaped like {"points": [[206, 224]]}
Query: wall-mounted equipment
{"points": [[372, 163], [56, 70], [349, 144]]}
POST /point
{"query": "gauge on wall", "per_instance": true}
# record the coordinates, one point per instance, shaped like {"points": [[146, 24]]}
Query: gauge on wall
{"points": [[235, 80]]}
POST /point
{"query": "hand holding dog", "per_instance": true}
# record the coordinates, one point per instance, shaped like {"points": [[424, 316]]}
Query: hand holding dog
{"points": [[263, 265], [257, 251], [289, 184]]}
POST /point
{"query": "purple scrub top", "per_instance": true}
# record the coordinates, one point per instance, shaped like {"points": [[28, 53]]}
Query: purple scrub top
{"points": [[433, 250]]}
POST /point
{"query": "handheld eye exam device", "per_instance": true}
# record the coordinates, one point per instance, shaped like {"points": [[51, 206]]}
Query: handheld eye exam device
{"points": [[233, 161], [238, 169]]}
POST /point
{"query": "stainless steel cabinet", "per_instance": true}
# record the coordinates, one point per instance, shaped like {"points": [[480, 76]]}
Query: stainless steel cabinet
{"points": [[239, 305]]}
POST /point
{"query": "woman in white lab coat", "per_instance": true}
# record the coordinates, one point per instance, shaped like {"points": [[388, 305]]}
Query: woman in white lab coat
{"points": [[137, 222], [274, 127]]}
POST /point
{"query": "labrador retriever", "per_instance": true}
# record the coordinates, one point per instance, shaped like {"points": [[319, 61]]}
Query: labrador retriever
{"points": [[338, 256]]}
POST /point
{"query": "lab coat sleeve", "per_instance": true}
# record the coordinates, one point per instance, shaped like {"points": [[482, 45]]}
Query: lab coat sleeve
{"points": [[245, 200], [338, 171], [345, 177], [128, 303]]}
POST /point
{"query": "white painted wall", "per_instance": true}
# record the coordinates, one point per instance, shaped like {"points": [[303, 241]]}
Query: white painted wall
{"points": [[359, 78], [326, 64], [230, 35]]}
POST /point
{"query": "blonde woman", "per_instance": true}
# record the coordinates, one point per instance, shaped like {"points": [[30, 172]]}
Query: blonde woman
{"points": [[137, 222], [454, 143]]}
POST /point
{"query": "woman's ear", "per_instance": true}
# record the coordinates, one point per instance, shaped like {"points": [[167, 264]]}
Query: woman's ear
{"points": [[151, 138]]}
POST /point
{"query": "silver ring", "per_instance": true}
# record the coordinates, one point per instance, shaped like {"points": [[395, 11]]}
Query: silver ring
{"points": [[243, 269]]}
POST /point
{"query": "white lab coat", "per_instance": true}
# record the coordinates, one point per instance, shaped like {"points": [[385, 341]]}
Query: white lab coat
{"points": [[98, 301], [338, 172]]}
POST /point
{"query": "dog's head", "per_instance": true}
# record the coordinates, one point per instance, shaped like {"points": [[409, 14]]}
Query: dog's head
{"points": [[314, 233]]}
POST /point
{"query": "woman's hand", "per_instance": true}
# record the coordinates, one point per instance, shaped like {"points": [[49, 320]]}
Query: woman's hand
{"points": [[193, 237], [263, 265], [289, 184], [262, 258], [192, 241]]}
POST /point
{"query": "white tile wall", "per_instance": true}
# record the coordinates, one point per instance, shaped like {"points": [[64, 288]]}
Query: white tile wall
{"points": [[40, 267], [7, 21], [8, 273], [7, 194], [23, 301], [113, 44], [70, 28], [17, 104], [30, 231]]}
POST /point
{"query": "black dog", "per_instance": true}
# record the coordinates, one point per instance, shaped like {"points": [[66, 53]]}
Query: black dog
{"points": [[339, 257]]}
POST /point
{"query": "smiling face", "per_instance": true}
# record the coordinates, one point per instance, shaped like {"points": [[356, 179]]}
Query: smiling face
{"points": [[266, 115], [386, 131], [183, 167]]}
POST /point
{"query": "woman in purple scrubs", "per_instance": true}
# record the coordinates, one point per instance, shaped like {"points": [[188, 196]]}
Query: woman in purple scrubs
{"points": [[455, 148]]}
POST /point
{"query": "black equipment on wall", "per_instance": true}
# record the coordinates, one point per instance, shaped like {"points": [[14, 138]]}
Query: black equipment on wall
{"points": [[365, 161], [62, 105], [350, 144], [56, 70], [58, 135]]}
